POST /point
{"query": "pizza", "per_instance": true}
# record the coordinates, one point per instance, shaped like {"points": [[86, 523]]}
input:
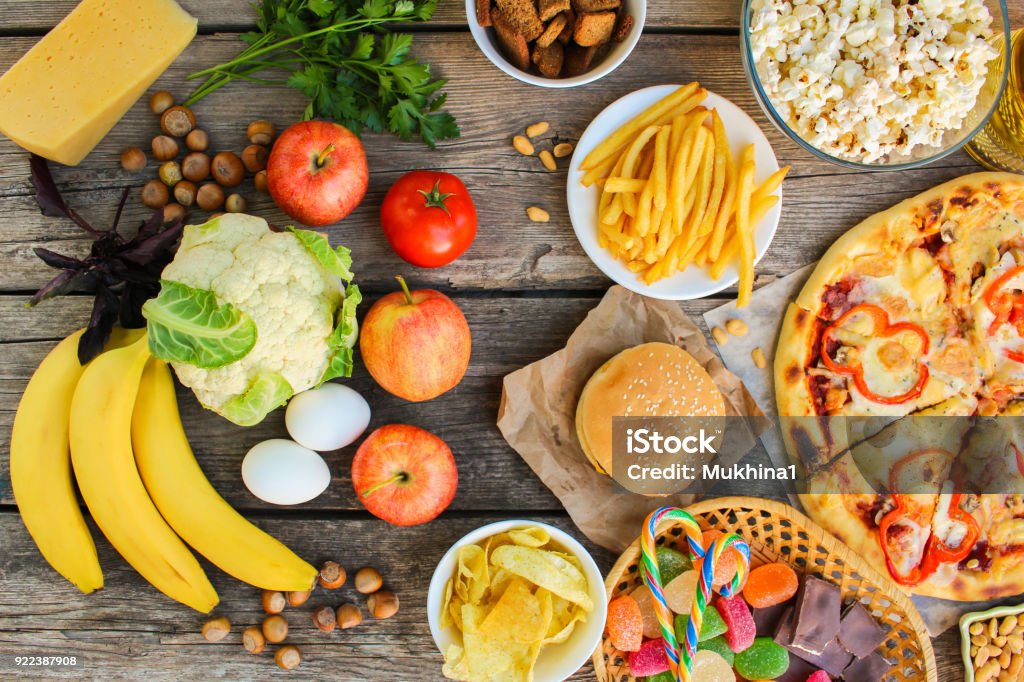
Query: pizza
{"points": [[896, 367]]}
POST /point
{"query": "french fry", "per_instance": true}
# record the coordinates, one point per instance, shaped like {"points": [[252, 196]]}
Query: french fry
{"points": [[725, 207], [771, 184], [693, 166], [621, 137], [743, 230], [592, 176], [702, 187], [614, 210], [659, 173], [616, 185], [722, 155], [757, 212], [680, 181]]}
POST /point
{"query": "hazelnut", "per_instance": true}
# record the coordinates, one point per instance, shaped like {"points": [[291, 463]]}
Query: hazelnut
{"points": [[196, 166], [325, 619], [382, 604], [332, 575], [368, 580], [155, 194], [288, 657], [210, 197], [164, 148], [197, 140], [260, 132], [216, 629], [275, 628], [273, 601], [160, 101], [170, 173], [298, 597], [260, 181], [227, 169], [173, 213], [177, 121], [235, 203], [253, 639], [254, 157], [133, 159], [348, 616], [185, 194]]}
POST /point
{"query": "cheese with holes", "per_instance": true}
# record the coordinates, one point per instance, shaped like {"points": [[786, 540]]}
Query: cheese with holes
{"points": [[68, 91]]}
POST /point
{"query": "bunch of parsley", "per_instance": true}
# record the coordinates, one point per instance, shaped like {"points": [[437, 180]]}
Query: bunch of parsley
{"points": [[342, 55]]}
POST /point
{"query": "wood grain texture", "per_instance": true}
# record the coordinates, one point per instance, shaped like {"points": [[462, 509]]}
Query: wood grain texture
{"points": [[510, 251]]}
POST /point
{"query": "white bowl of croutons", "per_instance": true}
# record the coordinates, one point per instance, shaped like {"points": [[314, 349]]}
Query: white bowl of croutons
{"points": [[556, 43]]}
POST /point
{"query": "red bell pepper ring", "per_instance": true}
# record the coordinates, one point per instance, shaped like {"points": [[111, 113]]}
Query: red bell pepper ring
{"points": [[1015, 355], [1003, 304], [884, 329]]}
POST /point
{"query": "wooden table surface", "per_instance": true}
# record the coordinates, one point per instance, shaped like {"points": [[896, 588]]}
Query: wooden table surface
{"points": [[523, 286]]}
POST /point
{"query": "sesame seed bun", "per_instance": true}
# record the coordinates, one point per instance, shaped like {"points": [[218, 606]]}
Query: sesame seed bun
{"points": [[649, 380]]}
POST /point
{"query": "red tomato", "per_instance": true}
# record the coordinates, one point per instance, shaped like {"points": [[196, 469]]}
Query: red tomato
{"points": [[428, 218]]}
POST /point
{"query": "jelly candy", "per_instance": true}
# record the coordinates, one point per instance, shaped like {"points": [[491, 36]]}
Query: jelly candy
{"points": [[817, 676], [727, 564], [642, 595], [737, 617], [713, 625], [710, 667], [769, 585], [625, 624], [719, 646], [650, 659], [762, 660], [672, 564], [666, 676], [679, 593]]}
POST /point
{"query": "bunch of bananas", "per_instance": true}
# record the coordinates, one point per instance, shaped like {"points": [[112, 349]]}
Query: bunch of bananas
{"points": [[115, 423]]}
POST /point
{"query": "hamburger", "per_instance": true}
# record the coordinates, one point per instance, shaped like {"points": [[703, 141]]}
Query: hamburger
{"points": [[649, 380]]}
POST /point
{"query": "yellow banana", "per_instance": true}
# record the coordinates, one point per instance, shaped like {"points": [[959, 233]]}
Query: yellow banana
{"points": [[101, 452], [190, 504], [41, 468]]}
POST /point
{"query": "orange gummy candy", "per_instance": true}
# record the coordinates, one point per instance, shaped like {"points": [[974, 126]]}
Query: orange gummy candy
{"points": [[769, 585], [625, 624]]}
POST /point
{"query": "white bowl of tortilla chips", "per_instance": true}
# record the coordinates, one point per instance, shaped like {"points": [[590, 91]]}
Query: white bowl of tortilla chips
{"points": [[516, 600]]}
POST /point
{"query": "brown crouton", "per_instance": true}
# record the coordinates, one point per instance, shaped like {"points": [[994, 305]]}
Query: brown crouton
{"points": [[483, 12], [551, 8], [622, 27], [549, 59], [594, 28], [512, 42], [570, 23], [522, 16], [553, 30], [578, 60], [595, 5]]}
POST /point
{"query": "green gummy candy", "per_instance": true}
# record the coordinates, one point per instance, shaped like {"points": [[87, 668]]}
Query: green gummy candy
{"points": [[763, 660], [713, 625], [720, 647], [661, 677], [671, 564]]}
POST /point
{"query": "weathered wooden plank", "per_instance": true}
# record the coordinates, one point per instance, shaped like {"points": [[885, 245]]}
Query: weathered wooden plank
{"points": [[821, 200], [236, 15], [130, 631]]}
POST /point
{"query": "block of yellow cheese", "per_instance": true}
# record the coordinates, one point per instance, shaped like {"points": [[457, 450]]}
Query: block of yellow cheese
{"points": [[68, 91]]}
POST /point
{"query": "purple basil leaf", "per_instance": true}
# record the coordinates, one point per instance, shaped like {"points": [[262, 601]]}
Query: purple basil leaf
{"points": [[151, 226], [101, 323], [153, 247], [59, 261], [132, 298], [48, 197], [57, 286]]}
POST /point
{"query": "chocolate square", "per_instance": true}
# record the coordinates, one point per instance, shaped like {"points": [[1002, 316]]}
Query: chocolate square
{"points": [[799, 670], [767, 619], [833, 660], [872, 667], [816, 619], [784, 629], [859, 633]]}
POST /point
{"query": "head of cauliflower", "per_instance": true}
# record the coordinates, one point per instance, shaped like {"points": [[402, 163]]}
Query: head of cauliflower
{"points": [[248, 316]]}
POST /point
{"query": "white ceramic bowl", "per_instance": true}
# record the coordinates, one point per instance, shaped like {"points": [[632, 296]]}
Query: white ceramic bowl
{"points": [[487, 43], [556, 661], [693, 282]]}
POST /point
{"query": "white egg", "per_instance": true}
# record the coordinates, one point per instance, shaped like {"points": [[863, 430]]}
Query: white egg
{"points": [[280, 471], [327, 418]]}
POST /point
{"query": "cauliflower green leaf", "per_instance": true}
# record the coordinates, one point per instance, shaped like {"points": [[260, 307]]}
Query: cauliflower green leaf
{"points": [[268, 392], [343, 338], [190, 325], [337, 261]]}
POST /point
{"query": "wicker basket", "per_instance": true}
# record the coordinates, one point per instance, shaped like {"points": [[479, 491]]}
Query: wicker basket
{"points": [[777, 532]]}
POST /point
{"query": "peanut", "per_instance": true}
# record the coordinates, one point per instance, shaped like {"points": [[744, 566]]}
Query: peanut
{"points": [[993, 628], [999, 641], [1004, 660], [993, 651], [548, 161], [1015, 643], [721, 338], [563, 149], [976, 628], [522, 145], [979, 640], [982, 658], [537, 215], [1016, 664], [758, 356], [736, 327], [987, 672], [1008, 625], [537, 129]]}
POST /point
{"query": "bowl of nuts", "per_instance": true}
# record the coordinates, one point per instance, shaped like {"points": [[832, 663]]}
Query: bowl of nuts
{"points": [[886, 86], [992, 644], [556, 43]]}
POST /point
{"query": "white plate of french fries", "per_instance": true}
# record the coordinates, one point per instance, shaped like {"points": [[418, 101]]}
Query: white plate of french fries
{"points": [[675, 193]]}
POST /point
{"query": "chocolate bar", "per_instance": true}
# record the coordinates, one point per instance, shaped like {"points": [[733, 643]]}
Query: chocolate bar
{"points": [[784, 629], [871, 667], [816, 618], [834, 660], [859, 633], [767, 619]]}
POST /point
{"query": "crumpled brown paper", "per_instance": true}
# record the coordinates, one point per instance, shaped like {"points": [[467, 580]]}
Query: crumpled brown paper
{"points": [[538, 410]]}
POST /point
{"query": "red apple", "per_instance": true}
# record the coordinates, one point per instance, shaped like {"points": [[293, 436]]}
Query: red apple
{"points": [[416, 345], [317, 172], [404, 475]]}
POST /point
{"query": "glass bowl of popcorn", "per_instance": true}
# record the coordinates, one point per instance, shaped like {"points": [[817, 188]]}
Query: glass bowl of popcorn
{"points": [[877, 84]]}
